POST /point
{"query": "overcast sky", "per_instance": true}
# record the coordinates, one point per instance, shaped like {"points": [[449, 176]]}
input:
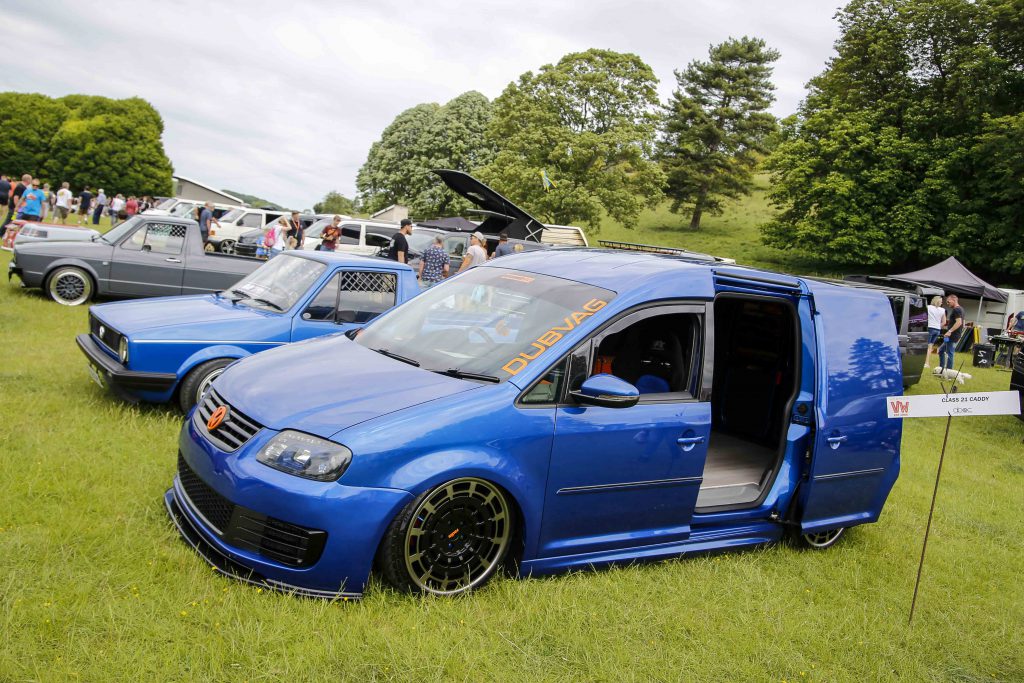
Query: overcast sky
{"points": [[283, 99]]}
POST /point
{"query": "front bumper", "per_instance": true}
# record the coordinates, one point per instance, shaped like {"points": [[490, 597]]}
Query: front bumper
{"points": [[119, 379], [13, 270], [354, 518], [246, 248]]}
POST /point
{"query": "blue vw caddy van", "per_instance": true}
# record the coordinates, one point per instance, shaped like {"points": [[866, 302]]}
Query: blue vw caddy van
{"points": [[547, 411]]}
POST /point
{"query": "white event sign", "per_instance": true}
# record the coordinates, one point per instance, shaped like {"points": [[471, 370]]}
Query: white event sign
{"points": [[941, 405]]}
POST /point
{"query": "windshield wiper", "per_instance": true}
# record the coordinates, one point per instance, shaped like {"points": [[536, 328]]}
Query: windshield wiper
{"points": [[241, 295], [268, 303], [410, 361], [455, 372]]}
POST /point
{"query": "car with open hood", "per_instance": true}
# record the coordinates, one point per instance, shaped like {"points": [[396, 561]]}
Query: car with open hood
{"points": [[547, 411]]}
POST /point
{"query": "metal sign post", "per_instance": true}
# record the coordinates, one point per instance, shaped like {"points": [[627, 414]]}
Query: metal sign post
{"points": [[949, 404]]}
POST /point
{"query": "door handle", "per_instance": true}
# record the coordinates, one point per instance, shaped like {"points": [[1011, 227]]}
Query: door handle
{"points": [[835, 441], [172, 260], [689, 442]]}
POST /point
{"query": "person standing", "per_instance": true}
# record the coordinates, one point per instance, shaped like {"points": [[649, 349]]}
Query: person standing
{"points": [[434, 264], [476, 255], [953, 334], [131, 207], [329, 237], [936, 321], [277, 237], [31, 206], [399, 249], [19, 189], [503, 248], [48, 202], [101, 206], [295, 232], [64, 202], [84, 204], [205, 218]]}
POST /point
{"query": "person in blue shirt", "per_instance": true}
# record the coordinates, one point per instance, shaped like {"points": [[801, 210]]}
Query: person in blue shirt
{"points": [[31, 207], [205, 218]]}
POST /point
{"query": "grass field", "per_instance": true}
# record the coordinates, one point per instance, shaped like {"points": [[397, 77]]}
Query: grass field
{"points": [[96, 586], [734, 234]]}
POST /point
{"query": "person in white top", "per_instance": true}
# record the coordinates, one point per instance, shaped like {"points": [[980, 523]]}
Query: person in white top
{"points": [[64, 202], [477, 255], [280, 237], [936, 321]]}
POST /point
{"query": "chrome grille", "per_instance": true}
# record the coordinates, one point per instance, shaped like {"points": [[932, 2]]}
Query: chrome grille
{"points": [[233, 432]]}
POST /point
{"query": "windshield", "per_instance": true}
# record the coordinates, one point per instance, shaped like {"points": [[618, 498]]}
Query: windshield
{"points": [[419, 241], [114, 235], [491, 322], [231, 216], [183, 210], [277, 284]]}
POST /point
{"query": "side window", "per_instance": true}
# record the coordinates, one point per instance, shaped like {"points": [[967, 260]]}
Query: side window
{"points": [[918, 315], [897, 311], [252, 220], [364, 296], [325, 302], [455, 246], [351, 231], [158, 238], [549, 389], [657, 354], [379, 241]]}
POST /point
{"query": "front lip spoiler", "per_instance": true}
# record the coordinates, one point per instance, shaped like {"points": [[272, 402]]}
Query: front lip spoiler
{"points": [[235, 570], [118, 376]]}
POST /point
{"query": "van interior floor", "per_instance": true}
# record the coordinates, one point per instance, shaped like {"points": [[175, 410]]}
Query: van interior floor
{"points": [[734, 471]]}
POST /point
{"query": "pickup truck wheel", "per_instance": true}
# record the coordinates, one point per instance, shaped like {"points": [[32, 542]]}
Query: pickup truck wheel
{"points": [[199, 380], [69, 286], [449, 540], [822, 539], [227, 247]]}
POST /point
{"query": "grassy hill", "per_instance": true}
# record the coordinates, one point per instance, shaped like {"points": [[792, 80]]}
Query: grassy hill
{"points": [[734, 234]]}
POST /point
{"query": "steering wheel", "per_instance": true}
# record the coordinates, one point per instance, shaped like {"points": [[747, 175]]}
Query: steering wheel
{"points": [[475, 329]]}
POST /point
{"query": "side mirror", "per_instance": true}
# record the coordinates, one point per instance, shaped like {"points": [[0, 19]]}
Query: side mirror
{"points": [[607, 391], [147, 247]]}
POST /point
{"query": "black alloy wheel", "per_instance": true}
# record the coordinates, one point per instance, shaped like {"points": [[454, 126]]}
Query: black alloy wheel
{"points": [[449, 540]]}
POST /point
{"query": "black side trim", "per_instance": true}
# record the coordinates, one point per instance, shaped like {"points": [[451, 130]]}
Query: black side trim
{"points": [[117, 375], [843, 475], [229, 567], [629, 485]]}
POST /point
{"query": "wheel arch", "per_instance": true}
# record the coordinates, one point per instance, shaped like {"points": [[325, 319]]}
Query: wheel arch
{"points": [[210, 353], [75, 263]]}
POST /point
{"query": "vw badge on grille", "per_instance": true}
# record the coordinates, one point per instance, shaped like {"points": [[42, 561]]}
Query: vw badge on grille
{"points": [[217, 418]]}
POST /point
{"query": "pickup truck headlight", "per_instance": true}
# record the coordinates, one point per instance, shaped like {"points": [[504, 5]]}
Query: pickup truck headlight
{"points": [[122, 350], [305, 456]]}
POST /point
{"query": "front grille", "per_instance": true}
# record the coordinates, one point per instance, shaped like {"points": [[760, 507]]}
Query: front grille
{"points": [[215, 508], [233, 432], [111, 338], [289, 544]]}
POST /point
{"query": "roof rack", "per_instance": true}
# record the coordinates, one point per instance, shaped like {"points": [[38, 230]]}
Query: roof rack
{"points": [[665, 251]]}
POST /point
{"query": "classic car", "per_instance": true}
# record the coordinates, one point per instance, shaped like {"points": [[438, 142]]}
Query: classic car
{"points": [[547, 411], [171, 348], [27, 232], [144, 256]]}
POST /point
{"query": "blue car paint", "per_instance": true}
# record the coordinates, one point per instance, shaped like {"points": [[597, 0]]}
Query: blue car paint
{"points": [[173, 335], [410, 430]]}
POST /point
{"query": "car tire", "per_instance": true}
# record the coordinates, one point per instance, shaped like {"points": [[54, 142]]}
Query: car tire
{"points": [[821, 540], [69, 286], [227, 247], [450, 539], [198, 380]]}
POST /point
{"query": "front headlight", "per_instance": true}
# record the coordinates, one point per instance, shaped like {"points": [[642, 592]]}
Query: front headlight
{"points": [[122, 350], [305, 456]]}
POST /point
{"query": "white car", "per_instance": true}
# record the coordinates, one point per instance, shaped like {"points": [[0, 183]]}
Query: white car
{"points": [[26, 232]]}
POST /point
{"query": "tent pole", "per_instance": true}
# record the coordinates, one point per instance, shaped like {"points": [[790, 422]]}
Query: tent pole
{"points": [[977, 321]]}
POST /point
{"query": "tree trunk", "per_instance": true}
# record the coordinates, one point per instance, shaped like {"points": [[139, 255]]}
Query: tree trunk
{"points": [[698, 210]]}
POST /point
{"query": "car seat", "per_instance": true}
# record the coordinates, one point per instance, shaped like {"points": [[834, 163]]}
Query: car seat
{"points": [[651, 359]]}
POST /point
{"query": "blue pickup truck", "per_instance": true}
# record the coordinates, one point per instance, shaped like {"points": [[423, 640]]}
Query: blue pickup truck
{"points": [[547, 411], [171, 348]]}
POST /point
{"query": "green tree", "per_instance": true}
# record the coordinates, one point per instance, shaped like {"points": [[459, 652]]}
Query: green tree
{"points": [[586, 123], [906, 147], [114, 144], [716, 126], [335, 202], [28, 123], [427, 136]]}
